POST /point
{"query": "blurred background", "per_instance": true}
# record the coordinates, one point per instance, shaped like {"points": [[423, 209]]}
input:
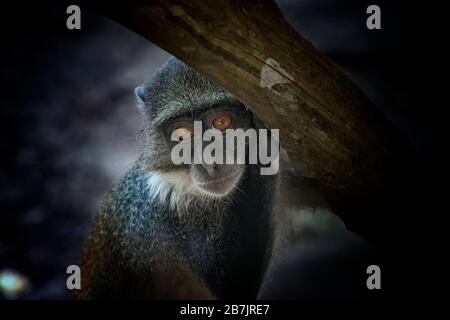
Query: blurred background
{"points": [[69, 119]]}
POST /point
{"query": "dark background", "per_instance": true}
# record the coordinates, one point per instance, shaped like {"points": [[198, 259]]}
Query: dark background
{"points": [[68, 119]]}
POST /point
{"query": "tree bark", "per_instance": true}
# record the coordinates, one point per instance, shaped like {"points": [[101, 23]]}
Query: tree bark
{"points": [[329, 128]]}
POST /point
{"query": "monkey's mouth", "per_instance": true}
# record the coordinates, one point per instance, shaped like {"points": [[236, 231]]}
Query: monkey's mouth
{"points": [[222, 186]]}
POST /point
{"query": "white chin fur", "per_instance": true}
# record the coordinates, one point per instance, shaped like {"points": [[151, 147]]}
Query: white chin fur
{"points": [[177, 189], [171, 187]]}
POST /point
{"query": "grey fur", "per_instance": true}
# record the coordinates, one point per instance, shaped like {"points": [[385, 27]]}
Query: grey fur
{"points": [[222, 245], [177, 88]]}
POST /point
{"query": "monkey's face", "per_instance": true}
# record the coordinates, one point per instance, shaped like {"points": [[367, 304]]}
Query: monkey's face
{"points": [[214, 177], [174, 103]]}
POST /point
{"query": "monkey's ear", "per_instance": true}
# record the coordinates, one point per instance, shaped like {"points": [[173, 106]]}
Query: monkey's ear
{"points": [[141, 96], [140, 93]]}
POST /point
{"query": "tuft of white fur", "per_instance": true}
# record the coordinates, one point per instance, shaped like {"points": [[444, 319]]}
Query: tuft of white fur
{"points": [[177, 190]]}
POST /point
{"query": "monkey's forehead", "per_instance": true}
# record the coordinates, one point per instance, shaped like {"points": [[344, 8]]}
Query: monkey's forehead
{"points": [[164, 112], [168, 108], [178, 89]]}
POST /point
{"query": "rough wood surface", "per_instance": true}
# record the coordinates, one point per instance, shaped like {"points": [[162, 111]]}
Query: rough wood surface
{"points": [[328, 127]]}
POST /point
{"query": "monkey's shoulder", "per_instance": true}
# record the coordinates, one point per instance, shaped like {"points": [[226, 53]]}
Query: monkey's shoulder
{"points": [[130, 211], [132, 193]]}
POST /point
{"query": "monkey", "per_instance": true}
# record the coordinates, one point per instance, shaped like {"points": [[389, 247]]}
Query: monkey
{"points": [[211, 231], [189, 231]]}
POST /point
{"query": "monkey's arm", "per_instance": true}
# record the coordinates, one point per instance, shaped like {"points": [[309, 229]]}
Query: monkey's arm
{"points": [[115, 269]]}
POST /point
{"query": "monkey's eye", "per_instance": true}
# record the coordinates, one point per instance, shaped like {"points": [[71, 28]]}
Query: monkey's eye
{"points": [[222, 122], [183, 133]]}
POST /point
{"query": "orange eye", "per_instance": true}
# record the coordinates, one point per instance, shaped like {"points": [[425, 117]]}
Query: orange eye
{"points": [[222, 122], [184, 133]]}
